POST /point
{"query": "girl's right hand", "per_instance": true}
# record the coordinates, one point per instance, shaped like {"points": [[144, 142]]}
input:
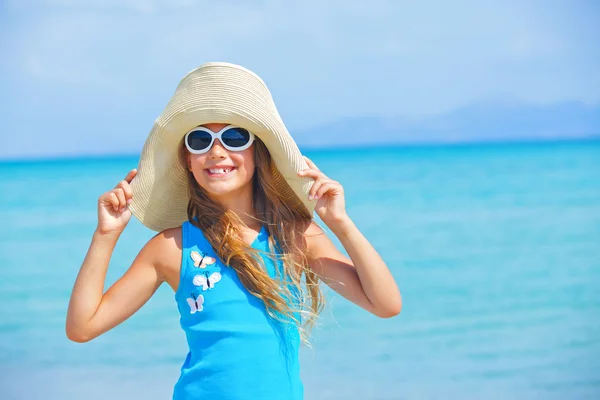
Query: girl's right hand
{"points": [[113, 211]]}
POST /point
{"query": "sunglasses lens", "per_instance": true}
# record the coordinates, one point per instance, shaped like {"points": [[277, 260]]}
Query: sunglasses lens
{"points": [[199, 140], [235, 137]]}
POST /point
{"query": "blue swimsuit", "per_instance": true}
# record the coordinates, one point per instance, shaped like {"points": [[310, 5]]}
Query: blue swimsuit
{"points": [[236, 351]]}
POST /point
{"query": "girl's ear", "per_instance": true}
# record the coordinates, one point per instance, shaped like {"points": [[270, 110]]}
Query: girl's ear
{"points": [[188, 161]]}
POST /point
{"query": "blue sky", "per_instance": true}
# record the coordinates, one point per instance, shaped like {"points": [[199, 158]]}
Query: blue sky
{"points": [[90, 77]]}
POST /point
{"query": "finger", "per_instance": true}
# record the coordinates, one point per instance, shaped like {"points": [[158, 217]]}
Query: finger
{"points": [[113, 200], [316, 187], [310, 163], [131, 175], [313, 189], [326, 187], [126, 187], [312, 173], [122, 200]]}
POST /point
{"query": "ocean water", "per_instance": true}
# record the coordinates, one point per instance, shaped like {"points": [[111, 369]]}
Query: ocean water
{"points": [[496, 249]]}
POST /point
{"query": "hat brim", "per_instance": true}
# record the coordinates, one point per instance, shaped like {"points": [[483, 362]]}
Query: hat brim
{"points": [[211, 93]]}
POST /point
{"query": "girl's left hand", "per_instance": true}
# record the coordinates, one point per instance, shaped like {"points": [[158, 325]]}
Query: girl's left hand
{"points": [[330, 207]]}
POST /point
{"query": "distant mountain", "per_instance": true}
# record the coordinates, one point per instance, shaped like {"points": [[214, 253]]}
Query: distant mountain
{"points": [[480, 122]]}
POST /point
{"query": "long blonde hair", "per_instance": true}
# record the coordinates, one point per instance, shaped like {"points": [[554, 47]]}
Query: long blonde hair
{"points": [[285, 219]]}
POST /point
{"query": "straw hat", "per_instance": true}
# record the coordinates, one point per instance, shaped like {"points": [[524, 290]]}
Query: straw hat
{"points": [[221, 93]]}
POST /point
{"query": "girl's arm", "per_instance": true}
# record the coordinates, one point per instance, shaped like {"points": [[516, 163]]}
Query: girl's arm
{"points": [[91, 311], [364, 278]]}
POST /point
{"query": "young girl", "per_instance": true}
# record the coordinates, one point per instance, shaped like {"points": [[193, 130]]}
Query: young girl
{"points": [[233, 199]]}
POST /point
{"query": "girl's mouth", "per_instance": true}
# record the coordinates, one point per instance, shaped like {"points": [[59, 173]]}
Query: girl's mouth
{"points": [[219, 172]]}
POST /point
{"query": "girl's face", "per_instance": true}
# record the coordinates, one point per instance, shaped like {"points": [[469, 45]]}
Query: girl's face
{"points": [[221, 172]]}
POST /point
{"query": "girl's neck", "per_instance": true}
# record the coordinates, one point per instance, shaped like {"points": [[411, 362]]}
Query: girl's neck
{"points": [[242, 207]]}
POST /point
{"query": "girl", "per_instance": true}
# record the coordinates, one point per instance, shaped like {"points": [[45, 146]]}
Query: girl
{"points": [[224, 183]]}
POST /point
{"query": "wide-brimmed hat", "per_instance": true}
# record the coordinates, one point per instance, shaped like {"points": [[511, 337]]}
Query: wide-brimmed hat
{"points": [[220, 93]]}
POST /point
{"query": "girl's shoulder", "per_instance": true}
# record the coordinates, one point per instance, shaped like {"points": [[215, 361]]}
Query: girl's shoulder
{"points": [[311, 232], [164, 250], [308, 234], [169, 239]]}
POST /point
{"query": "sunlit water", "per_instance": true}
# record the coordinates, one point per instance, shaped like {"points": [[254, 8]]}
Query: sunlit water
{"points": [[496, 250]]}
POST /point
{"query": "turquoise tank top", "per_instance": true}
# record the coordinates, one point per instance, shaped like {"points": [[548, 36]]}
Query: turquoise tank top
{"points": [[236, 350]]}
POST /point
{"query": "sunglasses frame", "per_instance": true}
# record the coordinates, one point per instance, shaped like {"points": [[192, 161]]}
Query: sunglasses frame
{"points": [[218, 135]]}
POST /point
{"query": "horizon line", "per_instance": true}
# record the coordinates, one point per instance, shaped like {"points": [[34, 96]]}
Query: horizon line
{"points": [[328, 148]]}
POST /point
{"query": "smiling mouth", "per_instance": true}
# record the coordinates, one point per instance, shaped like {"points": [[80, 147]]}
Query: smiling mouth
{"points": [[219, 172]]}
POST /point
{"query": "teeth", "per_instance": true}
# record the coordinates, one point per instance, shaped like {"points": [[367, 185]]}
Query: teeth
{"points": [[220, 170]]}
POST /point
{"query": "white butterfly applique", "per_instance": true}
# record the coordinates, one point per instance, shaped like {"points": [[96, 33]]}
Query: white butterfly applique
{"points": [[202, 261], [207, 281], [195, 303]]}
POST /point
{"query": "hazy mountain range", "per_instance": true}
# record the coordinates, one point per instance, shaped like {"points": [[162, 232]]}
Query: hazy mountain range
{"points": [[480, 122]]}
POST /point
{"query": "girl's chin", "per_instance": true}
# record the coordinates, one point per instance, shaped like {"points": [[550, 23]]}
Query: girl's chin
{"points": [[221, 188]]}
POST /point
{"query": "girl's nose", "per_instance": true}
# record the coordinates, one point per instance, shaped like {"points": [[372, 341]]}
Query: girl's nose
{"points": [[217, 150]]}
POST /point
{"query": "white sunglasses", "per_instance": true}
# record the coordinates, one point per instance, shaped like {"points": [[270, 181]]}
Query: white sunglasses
{"points": [[200, 139]]}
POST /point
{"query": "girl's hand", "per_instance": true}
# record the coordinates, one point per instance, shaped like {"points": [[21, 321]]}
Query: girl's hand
{"points": [[113, 213], [330, 207]]}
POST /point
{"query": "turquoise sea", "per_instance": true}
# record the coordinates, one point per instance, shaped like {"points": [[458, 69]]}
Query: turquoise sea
{"points": [[496, 249]]}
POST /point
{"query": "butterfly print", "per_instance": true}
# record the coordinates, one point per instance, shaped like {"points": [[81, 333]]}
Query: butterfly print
{"points": [[195, 303], [202, 261], [207, 281]]}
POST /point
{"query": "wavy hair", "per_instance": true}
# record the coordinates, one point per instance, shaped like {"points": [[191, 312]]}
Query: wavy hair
{"points": [[286, 297]]}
